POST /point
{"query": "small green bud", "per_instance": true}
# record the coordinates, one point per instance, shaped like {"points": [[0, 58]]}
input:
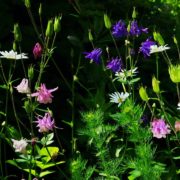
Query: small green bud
{"points": [[27, 3], [75, 78], [90, 35], [174, 72], [134, 13], [157, 37], [30, 72], [40, 9], [57, 24], [175, 40], [107, 21], [17, 33], [129, 27], [155, 85], [14, 46], [143, 94], [49, 29]]}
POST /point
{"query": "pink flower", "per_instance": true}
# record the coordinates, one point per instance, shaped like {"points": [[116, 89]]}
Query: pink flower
{"points": [[37, 50], [177, 126], [45, 123], [23, 87], [20, 146], [159, 128], [44, 95]]}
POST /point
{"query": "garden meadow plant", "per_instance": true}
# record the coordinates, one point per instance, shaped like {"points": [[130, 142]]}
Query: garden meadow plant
{"points": [[126, 129]]}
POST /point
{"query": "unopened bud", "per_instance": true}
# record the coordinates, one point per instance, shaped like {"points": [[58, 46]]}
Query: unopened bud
{"points": [[14, 46], [143, 94], [155, 85], [129, 27], [57, 24], [174, 72], [157, 37], [37, 50], [107, 21], [30, 72], [175, 40], [17, 33], [90, 35], [27, 3], [134, 13], [49, 29], [40, 9]]}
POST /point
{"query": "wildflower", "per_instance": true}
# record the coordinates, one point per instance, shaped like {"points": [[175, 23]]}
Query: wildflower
{"points": [[115, 64], [178, 108], [94, 55], [145, 47], [159, 128], [37, 50], [20, 146], [134, 29], [45, 123], [13, 55], [174, 72], [177, 126], [43, 94], [23, 87], [118, 98], [155, 48], [119, 29]]}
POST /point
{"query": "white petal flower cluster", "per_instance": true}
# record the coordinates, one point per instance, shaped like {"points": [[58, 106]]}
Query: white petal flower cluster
{"points": [[20, 146], [155, 48], [13, 55]]}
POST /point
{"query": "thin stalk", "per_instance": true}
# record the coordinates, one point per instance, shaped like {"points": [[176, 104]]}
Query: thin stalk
{"points": [[22, 63], [178, 93], [1, 167], [157, 66], [30, 168], [115, 44]]}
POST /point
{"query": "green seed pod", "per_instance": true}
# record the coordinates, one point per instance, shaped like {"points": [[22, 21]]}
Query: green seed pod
{"points": [[143, 94], [90, 35], [40, 9], [49, 29], [107, 21], [157, 37], [134, 13], [174, 72], [155, 85], [57, 24], [17, 33], [30, 72], [27, 3], [175, 40]]}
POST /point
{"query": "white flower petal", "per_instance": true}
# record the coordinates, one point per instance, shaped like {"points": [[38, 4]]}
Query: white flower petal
{"points": [[13, 55]]}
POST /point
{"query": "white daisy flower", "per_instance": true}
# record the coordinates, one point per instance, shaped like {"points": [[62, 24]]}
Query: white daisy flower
{"points": [[12, 55], [23, 87], [155, 48], [118, 98], [178, 108], [20, 146]]}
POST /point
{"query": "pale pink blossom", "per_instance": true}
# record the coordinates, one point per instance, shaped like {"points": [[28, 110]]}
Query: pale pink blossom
{"points": [[177, 126], [159, 128], [45, 123], [43, 94], [19, 145], [23, 87], [37, 50]]}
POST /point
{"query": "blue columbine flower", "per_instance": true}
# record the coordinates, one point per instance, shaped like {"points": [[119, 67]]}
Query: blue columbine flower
{"points": [[94, 55], [145, 47], [135, 30], [119, 29], [115, 64]]}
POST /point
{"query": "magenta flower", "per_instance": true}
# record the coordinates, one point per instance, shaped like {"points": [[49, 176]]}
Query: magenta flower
{"points": [[45, 123], [37, 50], [43, 94], [159, 128]]}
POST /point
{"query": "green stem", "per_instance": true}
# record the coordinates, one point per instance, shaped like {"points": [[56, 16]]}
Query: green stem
{"points": [[178, 93], [115, 44], [157, 66]]}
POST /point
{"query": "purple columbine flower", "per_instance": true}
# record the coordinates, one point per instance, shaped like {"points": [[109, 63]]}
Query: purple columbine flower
{"points": [[135, 30], [115, 64], [119, 29], [37, 50], [45, 123], [159, 128], [94, 55], [145, 47]]}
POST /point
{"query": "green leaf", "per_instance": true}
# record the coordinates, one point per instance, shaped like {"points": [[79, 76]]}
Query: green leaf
{"points": [[47, 140], [45, 166], [4, 86], [33, 172], [42, 174], [134, 174], [13, 162]]}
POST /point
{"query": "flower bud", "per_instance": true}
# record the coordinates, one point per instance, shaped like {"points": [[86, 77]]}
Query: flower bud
{"points": [[30, 72], [57, 25], [37, 50], [155, 85], [177, 126], [107, 21], [157, 37], [90, 35], [49, 29], [129, 27], [174, 72], [134, 13], [40, 9], [17, 33], [143, 94], [27, 3], [175, 40], [14, 46]]}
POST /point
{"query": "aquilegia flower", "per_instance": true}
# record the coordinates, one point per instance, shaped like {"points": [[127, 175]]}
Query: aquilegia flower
{"points": [[145, 47], [23, 87], [159, 128], [118, 98], [115, 64], [94, 55], [13, 55], [43, 94], [20, 146], [45, 123], [37, 50], [177, 126], [119, 29], [155, 48], [134, 29]]}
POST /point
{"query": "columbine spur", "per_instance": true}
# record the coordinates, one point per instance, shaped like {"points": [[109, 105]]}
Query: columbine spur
{"points": [[13, 55]]}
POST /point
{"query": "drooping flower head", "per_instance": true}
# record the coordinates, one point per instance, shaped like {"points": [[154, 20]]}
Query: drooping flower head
{"points": [[23, 87], [37, 50], [45, 123], [20, 146], [13, 55], [118, 98], [134, 29], [119, 29], [146, 47], [115, 64], [43, 94], [159, 128], [94, 55]]}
